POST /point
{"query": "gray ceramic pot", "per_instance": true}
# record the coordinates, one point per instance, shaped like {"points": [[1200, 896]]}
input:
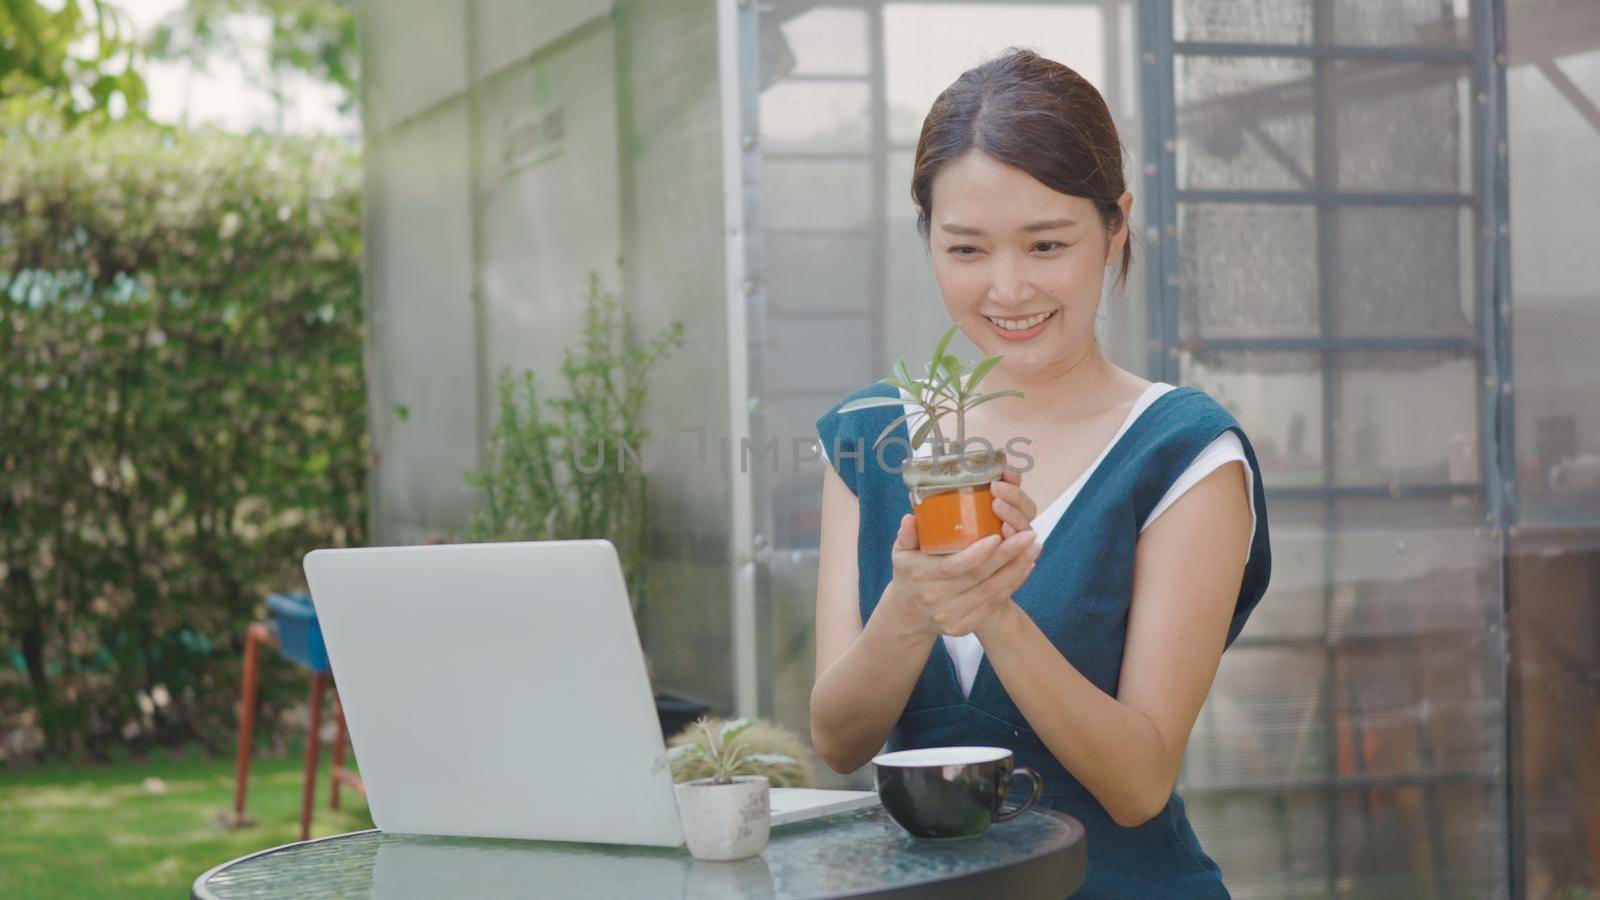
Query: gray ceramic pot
{"points": [[725, 821]]}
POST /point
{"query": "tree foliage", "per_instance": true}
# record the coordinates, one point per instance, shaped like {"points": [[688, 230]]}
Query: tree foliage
{"points": [[182, 417], [78, 60], [317, 37]]}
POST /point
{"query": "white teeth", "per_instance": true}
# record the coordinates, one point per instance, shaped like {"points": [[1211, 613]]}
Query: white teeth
{"points": [[1021, 324]]}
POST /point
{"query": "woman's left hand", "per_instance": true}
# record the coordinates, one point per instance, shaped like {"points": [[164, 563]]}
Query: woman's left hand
{"points": [[1011, 503]]}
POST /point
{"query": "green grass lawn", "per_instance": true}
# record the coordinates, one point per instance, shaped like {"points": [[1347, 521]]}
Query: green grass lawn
{"points": [[96, 831]]}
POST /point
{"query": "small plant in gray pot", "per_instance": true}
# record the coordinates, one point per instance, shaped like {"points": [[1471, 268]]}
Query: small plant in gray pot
{"points": [[727, 815], [949, 488]]}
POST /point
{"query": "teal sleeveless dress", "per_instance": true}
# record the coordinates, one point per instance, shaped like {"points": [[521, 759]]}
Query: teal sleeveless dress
{"points": [[1078, 595]]}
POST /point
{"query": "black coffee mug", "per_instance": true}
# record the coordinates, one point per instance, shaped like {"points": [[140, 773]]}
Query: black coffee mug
{"points": [[951, 792]]}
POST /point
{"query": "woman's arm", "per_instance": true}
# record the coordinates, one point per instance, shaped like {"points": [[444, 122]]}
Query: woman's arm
{"points": [[1188, 567], [864, 675]]}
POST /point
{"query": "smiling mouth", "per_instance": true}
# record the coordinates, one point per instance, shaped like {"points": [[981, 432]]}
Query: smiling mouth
{"points": [[1021, 324]]}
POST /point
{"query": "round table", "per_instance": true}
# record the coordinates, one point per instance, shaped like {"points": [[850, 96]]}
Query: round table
{"points": [[862, 853]]}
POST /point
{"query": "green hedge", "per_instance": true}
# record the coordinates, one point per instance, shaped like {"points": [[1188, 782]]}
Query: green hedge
{"points": [[182, 417]]}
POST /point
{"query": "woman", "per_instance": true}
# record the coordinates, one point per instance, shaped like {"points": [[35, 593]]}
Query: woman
{"points": [[1086, 636]]}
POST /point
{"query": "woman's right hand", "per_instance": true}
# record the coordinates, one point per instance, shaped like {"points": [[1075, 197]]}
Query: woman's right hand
{"points": [[952, 594]]}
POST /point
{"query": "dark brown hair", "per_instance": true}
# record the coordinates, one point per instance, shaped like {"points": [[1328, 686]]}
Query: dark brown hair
{"points": [[1033, 114]]}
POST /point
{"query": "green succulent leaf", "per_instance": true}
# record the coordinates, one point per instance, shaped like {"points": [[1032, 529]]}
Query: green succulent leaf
{"points": [[909, 384], [731, 729], [982, 370], [676, 755], [882, 435], [939, 387], [995, 396], [939, 393], [870, 403]]}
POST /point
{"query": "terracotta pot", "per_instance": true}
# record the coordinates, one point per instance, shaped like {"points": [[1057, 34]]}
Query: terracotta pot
{"points": [[951, 500]]}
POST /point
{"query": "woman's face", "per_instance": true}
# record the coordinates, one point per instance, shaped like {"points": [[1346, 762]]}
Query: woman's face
{"points": [[1019, 265]]}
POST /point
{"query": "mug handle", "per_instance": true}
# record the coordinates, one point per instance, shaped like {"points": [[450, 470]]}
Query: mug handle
{"points": [[1033, 796]]}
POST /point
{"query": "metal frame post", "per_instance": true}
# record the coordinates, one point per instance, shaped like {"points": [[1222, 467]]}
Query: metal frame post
{"points": [[739, 66]]}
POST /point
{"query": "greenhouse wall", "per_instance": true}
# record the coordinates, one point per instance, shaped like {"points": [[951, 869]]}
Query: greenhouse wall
{"points": [[513, 149]]}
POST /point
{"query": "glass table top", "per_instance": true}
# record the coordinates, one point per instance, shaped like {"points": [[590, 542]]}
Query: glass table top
{"points": [[852, 853]]}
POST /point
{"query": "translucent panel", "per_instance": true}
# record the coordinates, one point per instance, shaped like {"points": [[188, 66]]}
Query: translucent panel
{"points": [[673, 270], [1247, 270], [1422, 838], [1555, 578], [915, 316], [1270, 694], [1401, 126], [815, 117], [796, 513], [789, 632], [685, 629], [417, 56], [511, 30], [1406, 271], [1426, 707], [928, 45], [1395, 577], [1372, 675], [1559, 460], [821, 194], [789, 642], [550, 213], [423, 311], [818, 272], [1277, 398], [898, 202], [1555, 572], [1279, 22], [1268, 845], [1555, 276], [1459, 514], [821, 41], [1402, 23], [1430, 840], [1406, 418], [1244, 123], [816, 353], [1296, 602]]}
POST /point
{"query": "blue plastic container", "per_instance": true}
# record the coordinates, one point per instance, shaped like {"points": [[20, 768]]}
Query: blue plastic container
{"points": [[299, 634]]}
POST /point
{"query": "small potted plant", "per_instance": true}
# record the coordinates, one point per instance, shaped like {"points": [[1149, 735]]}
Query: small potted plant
{"points": [[789, 761], [949, 488], [727, 815]]}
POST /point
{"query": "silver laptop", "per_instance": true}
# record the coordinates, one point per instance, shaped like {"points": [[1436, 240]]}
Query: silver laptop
{"points": [[499, 690]]}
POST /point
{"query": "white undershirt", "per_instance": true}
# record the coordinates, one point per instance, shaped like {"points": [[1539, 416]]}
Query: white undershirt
{"points": [[966, 651]]}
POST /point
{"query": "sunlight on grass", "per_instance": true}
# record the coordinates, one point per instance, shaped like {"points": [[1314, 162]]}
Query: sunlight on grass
{"points": [[98, 831], [64, 799]]}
